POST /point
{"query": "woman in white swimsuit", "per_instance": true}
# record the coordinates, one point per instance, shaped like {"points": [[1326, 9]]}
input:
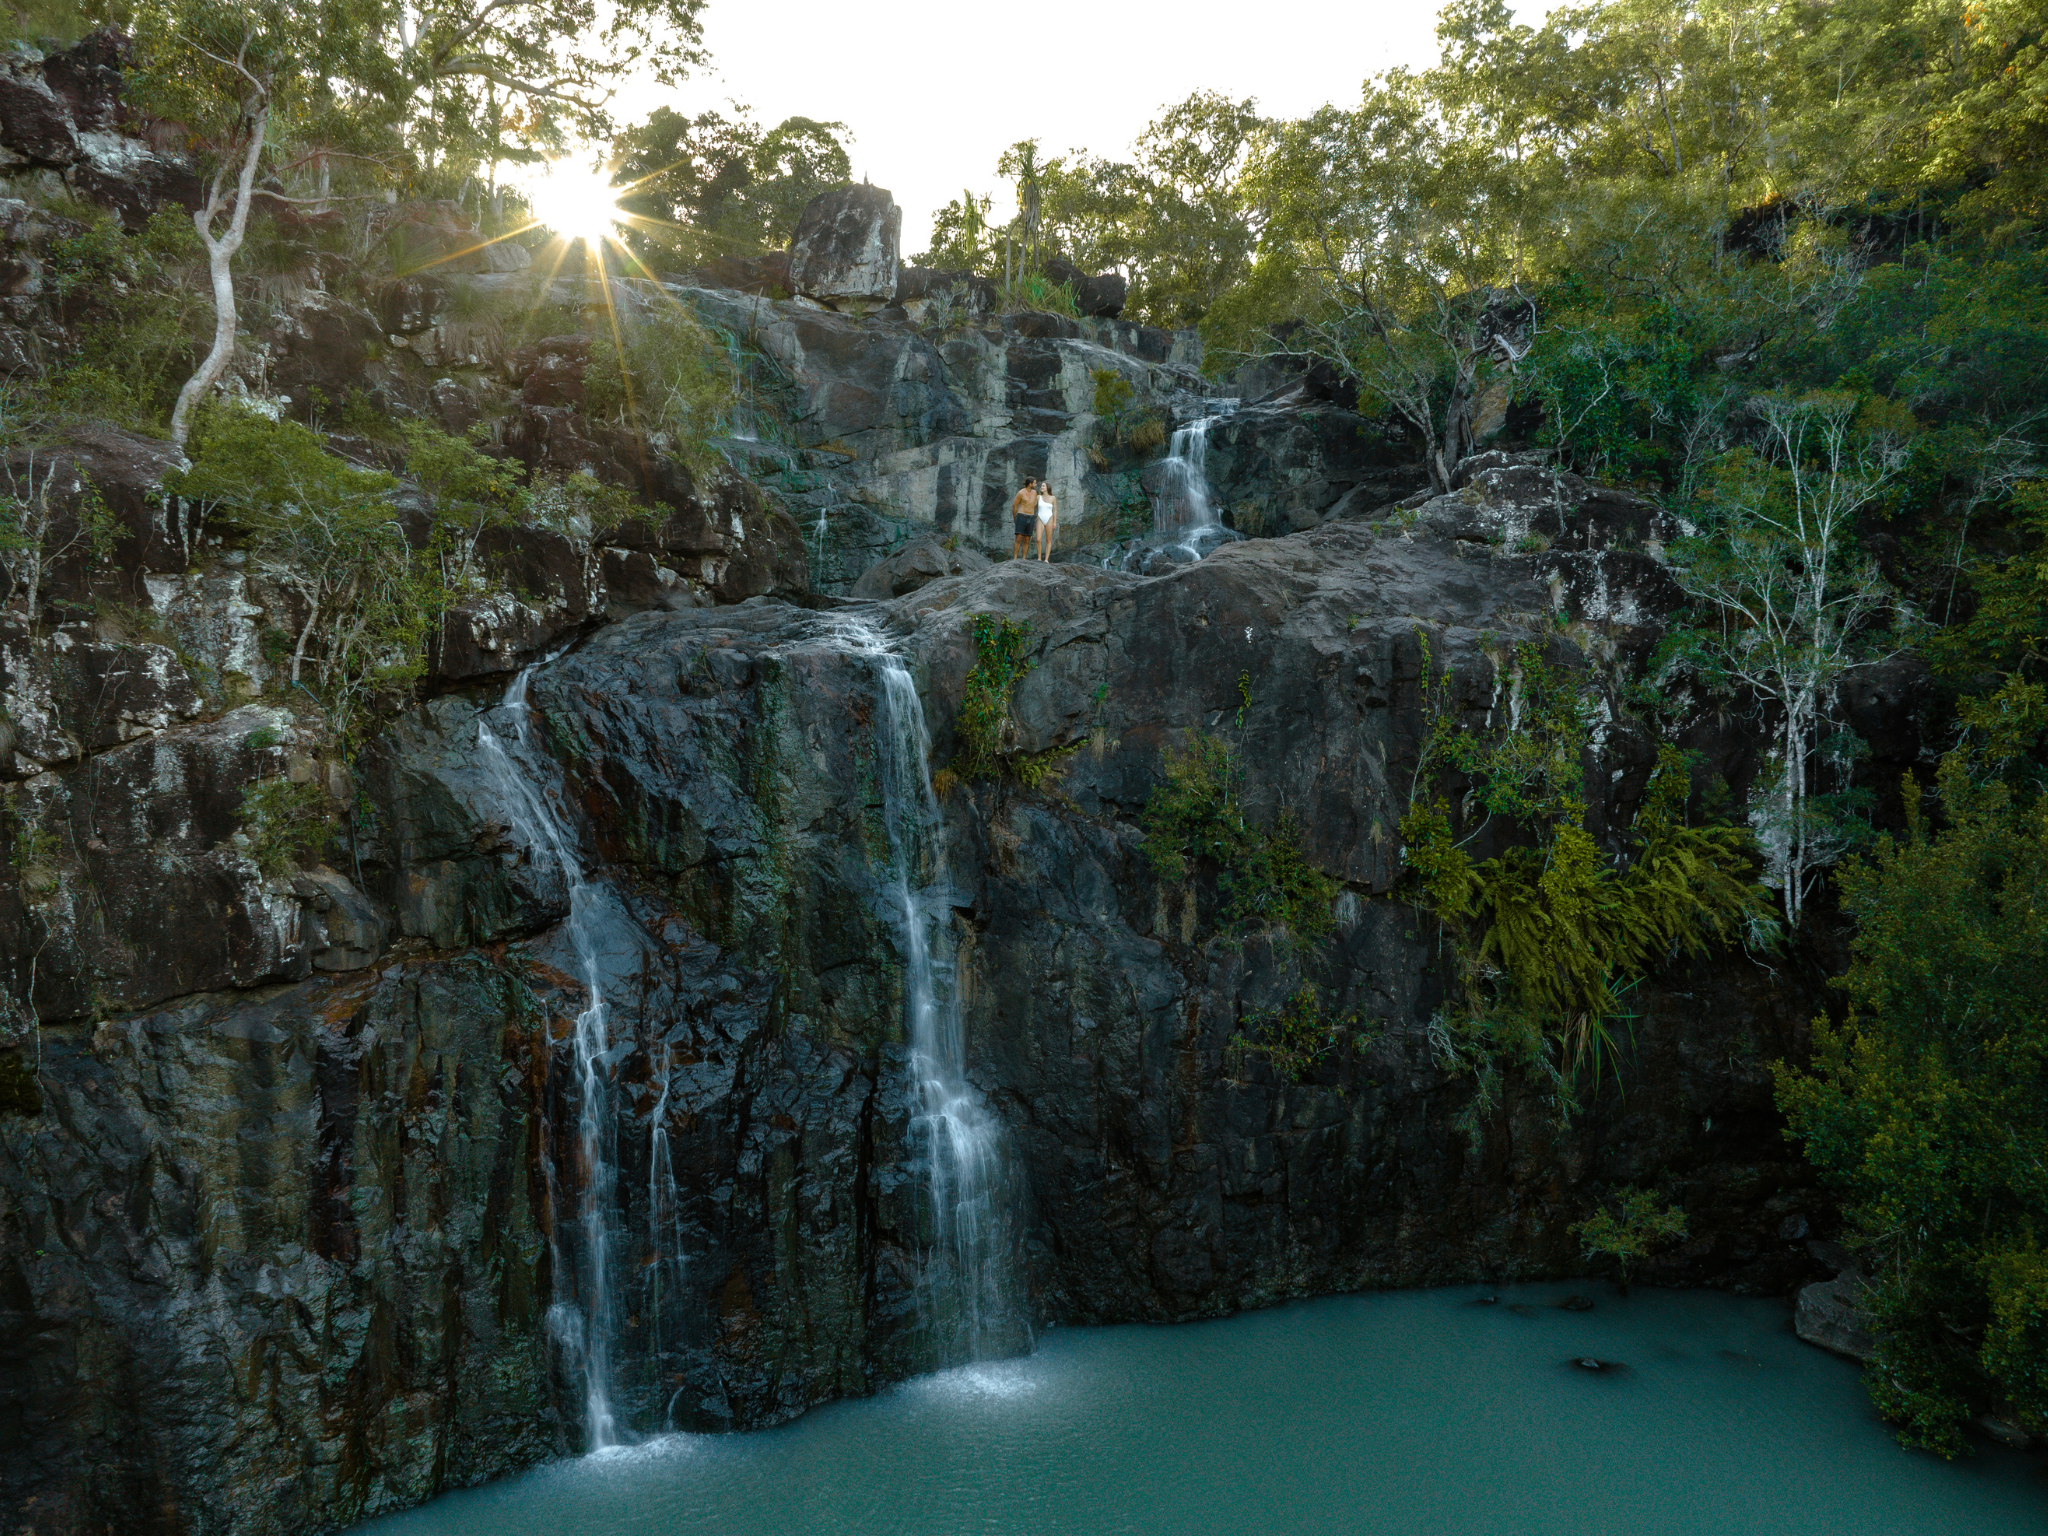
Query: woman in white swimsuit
{"points": [[1048, 519]]}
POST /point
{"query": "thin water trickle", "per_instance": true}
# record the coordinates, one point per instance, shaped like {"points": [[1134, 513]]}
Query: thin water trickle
{"points": [[959, 1139], [583, 1319]]}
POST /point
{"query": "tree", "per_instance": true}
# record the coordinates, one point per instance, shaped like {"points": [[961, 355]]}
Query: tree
{"points": [[1927, 1110], [717, 185], [220, 69], [1791, 604], [234, 72], [1398, 230]]}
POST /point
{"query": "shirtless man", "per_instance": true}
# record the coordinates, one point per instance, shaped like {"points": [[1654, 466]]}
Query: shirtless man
{"points": [[1023, 519]]}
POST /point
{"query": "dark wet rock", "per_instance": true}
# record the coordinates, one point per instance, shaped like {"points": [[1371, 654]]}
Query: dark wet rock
{"points": [[63, 113], [847, 248], [300, 1224], [1829, 1315], [455, 406], [925, 560], [1576, 1304], [1095, 296], [550, 371], [156, 535], [968, 292], [1597, 1367], [766, 275]]}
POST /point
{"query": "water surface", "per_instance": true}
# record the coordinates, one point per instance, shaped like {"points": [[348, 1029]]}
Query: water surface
{"points": [[1411, 1413]]}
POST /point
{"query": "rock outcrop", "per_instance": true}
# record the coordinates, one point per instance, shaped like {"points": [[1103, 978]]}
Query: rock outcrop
{"points": [[847, 248]]}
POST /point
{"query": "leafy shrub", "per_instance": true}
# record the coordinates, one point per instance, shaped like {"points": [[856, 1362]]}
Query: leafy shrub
{"points": [[134, 312], [283, 823], [665, 376], [987, 733], [471, 493], [328, 532], [1263, 875], [1629, 1230], [1927, 1110], [1294, 1037]]}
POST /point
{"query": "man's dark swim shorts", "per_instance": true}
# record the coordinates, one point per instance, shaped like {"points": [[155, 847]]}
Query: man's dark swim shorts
{"points": [[1025, 524]]}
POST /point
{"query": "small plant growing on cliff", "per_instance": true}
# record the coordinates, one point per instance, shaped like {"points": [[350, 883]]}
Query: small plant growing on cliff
{"points": [[330, 534], [987, 732], [1294, 1037], [44, 526], [283, 823], [1263, 875], [666, 377], [1629, 1230], [1547, 936], [471, 493]]}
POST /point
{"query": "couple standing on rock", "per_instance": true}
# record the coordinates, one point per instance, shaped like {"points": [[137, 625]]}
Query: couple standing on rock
{"points": [[1034, 514]]}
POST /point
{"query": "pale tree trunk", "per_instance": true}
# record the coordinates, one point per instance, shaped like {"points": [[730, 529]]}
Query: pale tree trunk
{"points": [[220, 255]]}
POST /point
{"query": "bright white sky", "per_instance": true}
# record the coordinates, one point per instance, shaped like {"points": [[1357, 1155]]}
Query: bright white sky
{"points": [[935, 92]]}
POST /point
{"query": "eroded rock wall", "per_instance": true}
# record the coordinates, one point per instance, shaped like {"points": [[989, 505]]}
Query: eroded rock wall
{"points": [[278, 1258]]}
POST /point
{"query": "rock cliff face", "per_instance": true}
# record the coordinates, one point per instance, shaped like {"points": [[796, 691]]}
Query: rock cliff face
{"points": [[282, 1257]]}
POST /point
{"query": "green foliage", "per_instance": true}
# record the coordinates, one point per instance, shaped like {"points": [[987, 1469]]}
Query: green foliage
{"points": [[987, 733], [1549, 934], [1034, 291], [1633, 1227], [329, 533], [1296, 1036], [471, 493], [1263, 876], [284, 823], [19, 1094], [1927, 1111], [1114, 403], [713, 185], [134, 308], [664, 375]]}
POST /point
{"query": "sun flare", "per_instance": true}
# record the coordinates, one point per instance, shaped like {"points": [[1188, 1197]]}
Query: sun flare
{"points": [[576, 202]]}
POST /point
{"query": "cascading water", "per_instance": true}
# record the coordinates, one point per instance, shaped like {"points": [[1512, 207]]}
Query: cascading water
{"points": [[1185, 506], [959, 1140], [585, 1320], [1185, 525]]}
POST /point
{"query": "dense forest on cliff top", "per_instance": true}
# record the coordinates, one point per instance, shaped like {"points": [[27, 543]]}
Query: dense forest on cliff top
{"points": [[1778, 267]]}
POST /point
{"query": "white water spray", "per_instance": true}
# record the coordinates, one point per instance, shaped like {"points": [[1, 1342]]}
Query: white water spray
{"points": [[1186, 507], [960, 1140], [585, 1323]]}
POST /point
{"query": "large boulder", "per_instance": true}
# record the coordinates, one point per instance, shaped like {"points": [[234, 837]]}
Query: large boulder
{"points": [[847, 248], [1829, 1315], [1099, 297], [916, 564]]}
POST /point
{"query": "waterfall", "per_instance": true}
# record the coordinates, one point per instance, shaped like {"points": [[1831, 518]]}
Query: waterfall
{"points": [[583, 1320], [1185, 507], [960, 1142]]}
